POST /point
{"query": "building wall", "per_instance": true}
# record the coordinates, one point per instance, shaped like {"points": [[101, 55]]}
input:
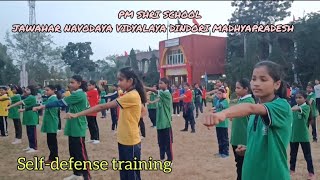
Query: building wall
{"points": [[208, 56], [202, 54]]}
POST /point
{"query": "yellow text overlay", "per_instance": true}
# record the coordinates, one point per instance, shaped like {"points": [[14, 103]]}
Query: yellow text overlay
{"points": [[37, 164]]}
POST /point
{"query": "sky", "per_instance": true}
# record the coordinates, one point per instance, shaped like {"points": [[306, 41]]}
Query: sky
{"points": [[106, 12]]}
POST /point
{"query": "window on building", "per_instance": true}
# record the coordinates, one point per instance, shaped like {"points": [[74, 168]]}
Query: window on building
{"points": [[146, 66], [175, 57]]}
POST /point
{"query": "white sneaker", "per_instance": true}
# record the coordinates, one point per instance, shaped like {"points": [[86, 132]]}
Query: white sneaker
{"points": [[73, 177], [59, 130], [89, 141], [141, 137], [155, 127], [178, 115], [26, 149], [31, 150], [16, 141], [95, 142]]}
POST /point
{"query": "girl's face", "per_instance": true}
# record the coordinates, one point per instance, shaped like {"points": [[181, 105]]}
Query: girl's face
{"points": [[49, 92], [162, 85], [74, 85], [240, 91], [124, 83], [309, 89], [262, 84], [2, 91], [186, 87], [220, 95], [27, 91], [300, 99], [91, 86], [14, 90], [218, 84]]}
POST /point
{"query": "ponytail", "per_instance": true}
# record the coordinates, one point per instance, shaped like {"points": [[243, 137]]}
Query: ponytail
{"points": [[84, 85], [282, 91]]}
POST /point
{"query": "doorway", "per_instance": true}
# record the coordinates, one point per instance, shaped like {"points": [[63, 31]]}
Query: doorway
{"points": [[178, 79]]}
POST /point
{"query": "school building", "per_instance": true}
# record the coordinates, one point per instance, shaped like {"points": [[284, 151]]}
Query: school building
{"points": [[189, 58]]}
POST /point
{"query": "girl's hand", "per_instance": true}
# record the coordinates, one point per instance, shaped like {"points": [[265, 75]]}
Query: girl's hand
{"points": [[70, 116], [7, 108], [213, 110], [241, 150], [21, 110], [295, 108], [213, 119]]}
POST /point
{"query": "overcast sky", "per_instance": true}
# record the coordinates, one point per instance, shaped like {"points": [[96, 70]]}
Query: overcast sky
{"points": [[105, 12]]}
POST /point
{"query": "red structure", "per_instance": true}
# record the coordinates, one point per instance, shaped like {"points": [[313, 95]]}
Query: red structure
{"points": [[187, 58]]}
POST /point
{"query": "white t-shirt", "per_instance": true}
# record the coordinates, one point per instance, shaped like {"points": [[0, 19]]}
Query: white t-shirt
{"points": [[317, 90]]}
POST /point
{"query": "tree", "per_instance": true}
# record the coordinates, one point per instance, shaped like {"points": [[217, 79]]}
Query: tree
{"points": [[77, 56], [111, 68], [307, 38], [37, 51], [152, 76], [9, 73], [245, 50], [133, 62]]}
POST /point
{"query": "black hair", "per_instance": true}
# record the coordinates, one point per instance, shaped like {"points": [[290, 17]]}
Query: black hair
{"points": [[166, 81], [58, 87], [115, 85], [17, 88], [245, 83], [137, 84], [92, 82], [310, 85], [52, 87], [33, 90], [3, 87], [305, 96], [83, 83], [275, 72]]}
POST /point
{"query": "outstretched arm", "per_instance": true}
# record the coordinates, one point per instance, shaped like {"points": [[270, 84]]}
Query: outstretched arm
{"points": [[98, 108], [212, 92], [150, 89], [15, 104], [240, 110], [155, 101]]}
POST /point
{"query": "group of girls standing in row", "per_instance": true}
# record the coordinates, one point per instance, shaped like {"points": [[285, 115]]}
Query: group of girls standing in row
{"points": [[271, 124]]}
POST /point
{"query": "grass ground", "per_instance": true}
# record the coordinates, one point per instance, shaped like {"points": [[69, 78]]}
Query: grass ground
{"points": [[193, 155]]}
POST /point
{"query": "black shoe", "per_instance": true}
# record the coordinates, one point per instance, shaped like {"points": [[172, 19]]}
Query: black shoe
{"points": [[184, 130], [193, 131]]}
